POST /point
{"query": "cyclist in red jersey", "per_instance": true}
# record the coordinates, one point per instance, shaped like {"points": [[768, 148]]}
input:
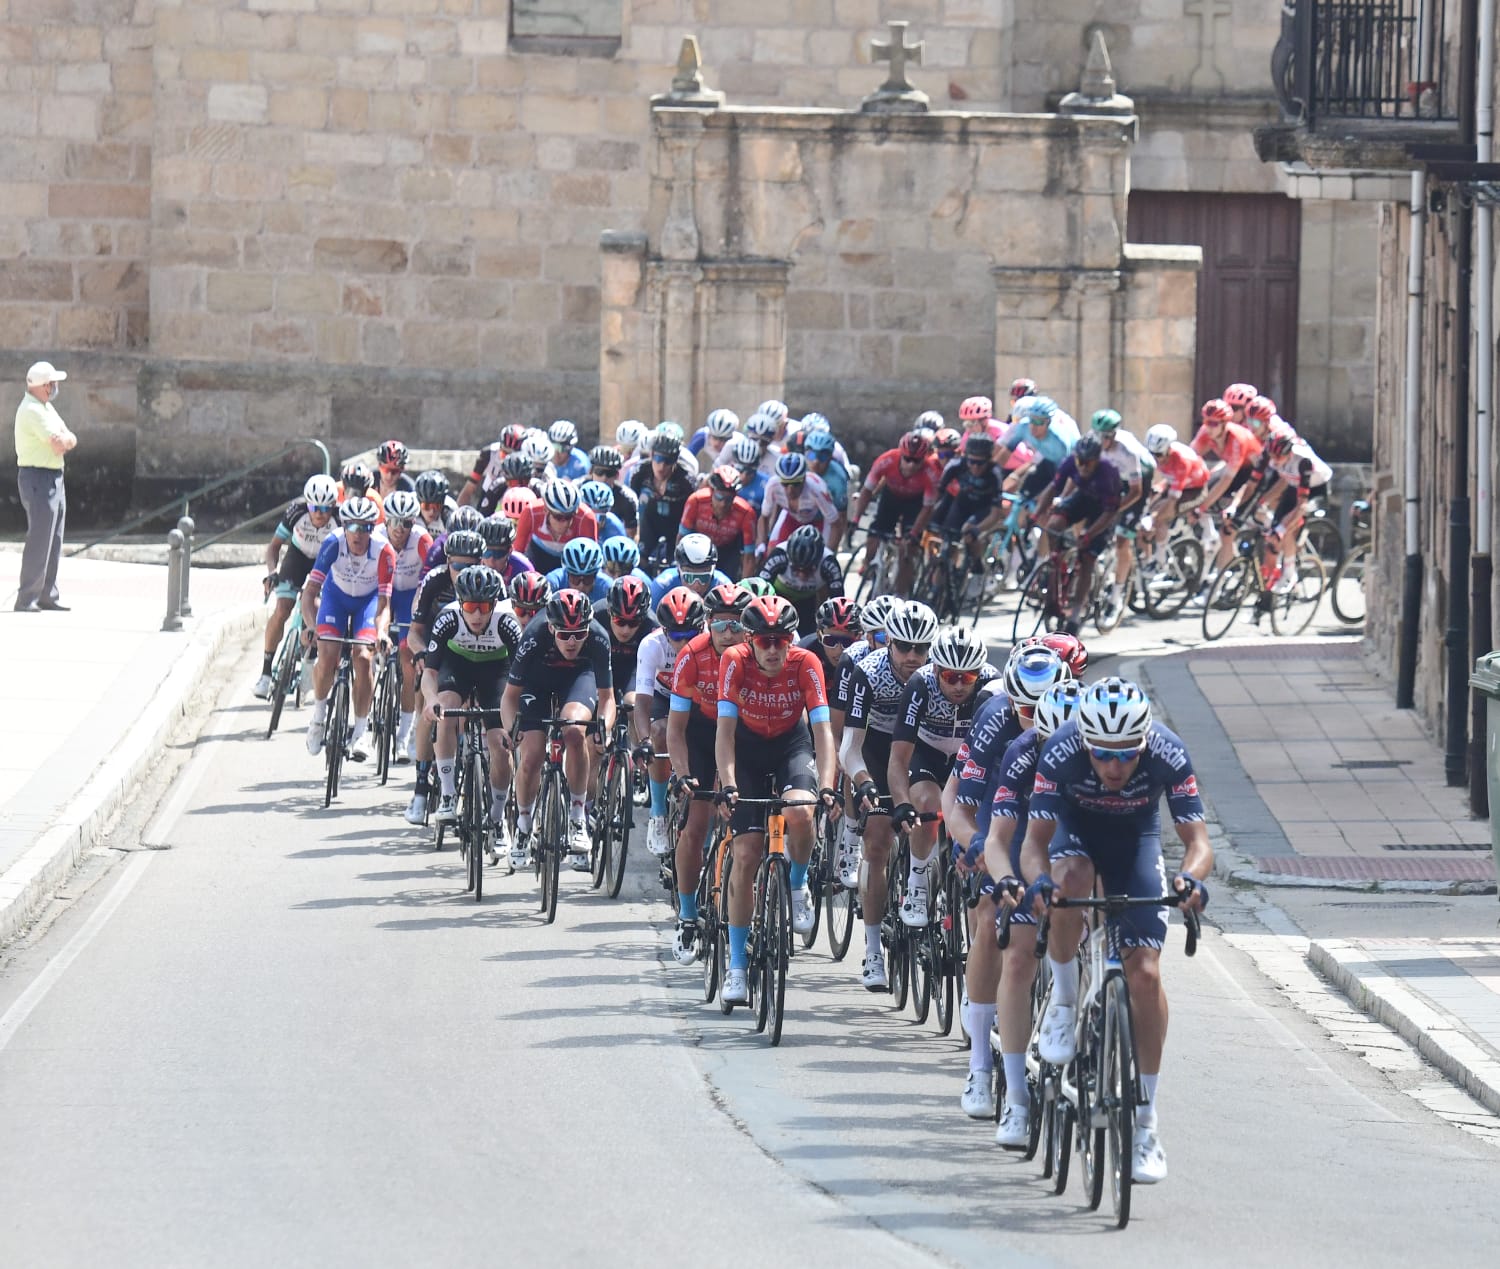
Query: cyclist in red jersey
{"points": [[906, 484], [725, 519], [1182, 480], [770, 695], [691, 726], [1234, 444]]}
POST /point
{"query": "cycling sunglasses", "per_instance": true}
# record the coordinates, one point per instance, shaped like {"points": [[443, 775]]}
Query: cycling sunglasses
{"points": [[979, 462], [696, 579], [959, 678], [327, 511], [837, 641], [399, 524], [359, 528], [724, 625], [1115, 755], [582, 581], [662, 458], [766, 642], [628, 623], [906, 649], [679, 636], [572, 636], [880, 637], [478, 605]]}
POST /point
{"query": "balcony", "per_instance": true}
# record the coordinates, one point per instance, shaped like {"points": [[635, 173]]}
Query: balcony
{"points": [[1363, 82]]}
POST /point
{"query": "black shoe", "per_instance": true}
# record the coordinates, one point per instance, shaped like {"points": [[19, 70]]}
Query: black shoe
{"points": [[51, 605]]}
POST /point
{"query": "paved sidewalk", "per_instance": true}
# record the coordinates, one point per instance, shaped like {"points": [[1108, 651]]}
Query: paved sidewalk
{"points": [[98, 689]]}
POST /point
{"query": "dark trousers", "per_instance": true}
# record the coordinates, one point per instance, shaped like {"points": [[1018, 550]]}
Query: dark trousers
{"points": [[46, 511]]}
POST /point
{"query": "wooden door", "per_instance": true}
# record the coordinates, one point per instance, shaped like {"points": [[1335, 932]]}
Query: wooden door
{"points": [[1247, 292]]}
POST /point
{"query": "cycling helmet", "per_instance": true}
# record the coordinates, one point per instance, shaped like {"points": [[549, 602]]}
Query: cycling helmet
{"points": [[1279, 444], [979, 445], [432, 486], [359, 511], [816, 422], [465, 518], [744, 450], [582, 557], [958, 648], [621, 550], [839, 615], [722, 424], [680, 610], [947, 438], [819, 445], [977, 410], [912, 622], [914, 446], [1086, 448], [607, 457], [481, 582], [1261, 409], [356, 478], [1160, 438], [570, 610], [628, 599], [878, 612], [1240, 394], [724, 480], [665, 445], [928, 418], [560, 498], [1058, 704], [1041, 409], [696, 551], [465, 542], [761, 427], [393, 454], [1106, 421], [563, 434], [597, 496], [402, 504], [1030, 672], [323, 491], [774, 410], [755, 587], [512, 437], [769, 614], [530, 591], [795, 437], [1022, 388], [1113, 711], [515, 502], [1216, 410], [668, 428], [1069, 647], [498, 532], [791, 469], [537, 449], [630, 434], [804, 549], [726, 599]]}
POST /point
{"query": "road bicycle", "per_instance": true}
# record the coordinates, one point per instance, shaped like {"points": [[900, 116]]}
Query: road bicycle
{"points": [[385, 719], [942, 573], [614, 815], [1009, 551], [928, 953], [472, 783], [820, 868], [336, 728], [711, 938], [842, 902], [881, 565], [286, 669], [1048, 590], [1245, 584], [551, 830], [1099, 1090], [1347, 586]]}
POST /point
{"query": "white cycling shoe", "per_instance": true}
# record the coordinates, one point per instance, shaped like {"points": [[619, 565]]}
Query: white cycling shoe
{"points": [[262, 688], [403, 750], [416, 811], [914, 908], [520, 852], [685, 942], [736, 989], [872, 974], [447, 809], [578, 846], [978, 1100], [1012, 1131], [804, 915], [848, 863], [315, 734], [656, 836], [1056, 1042], [1149, 1165], [359, 749]]}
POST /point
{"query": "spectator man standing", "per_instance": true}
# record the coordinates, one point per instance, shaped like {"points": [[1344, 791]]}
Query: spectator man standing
{"points": [[42, 438]]}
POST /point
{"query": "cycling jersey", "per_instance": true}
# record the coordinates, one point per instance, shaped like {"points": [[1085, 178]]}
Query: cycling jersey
{"points": [[297, 529], [433, 595], [695, 677], [772, 706], [1301, 468], [410, 561], [975, 491], [598, 593], [733, 531], [535, 538], [575, 467], [920, 483], [1067, 788], [1125, 460], [625, 507], [1101, 488], [515, 564], [660, 509], [355, 575], [539, 656], [1053, 445], [1015, 778], [1182, 469], [753, 489], [492, 645], [875, 694], [1235, 447], [489, 477], [654, 663], [930, 718], [790, 506], [625, 656], [843, 674], [672, 578], [801, 584], [995, 725], [836, 476]]}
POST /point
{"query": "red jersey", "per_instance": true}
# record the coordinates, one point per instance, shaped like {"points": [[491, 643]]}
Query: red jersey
{"points": [[1237, 446], [533, 524], [923, 482], [772, 707], [734, 529], [1182, 469], [695, 677]]}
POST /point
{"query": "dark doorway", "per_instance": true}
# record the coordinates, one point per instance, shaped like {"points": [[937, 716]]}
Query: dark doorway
{"points": [[1247, 292]]}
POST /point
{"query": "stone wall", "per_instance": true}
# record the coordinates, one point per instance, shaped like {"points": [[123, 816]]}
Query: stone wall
{"points": [[1159, 328]]}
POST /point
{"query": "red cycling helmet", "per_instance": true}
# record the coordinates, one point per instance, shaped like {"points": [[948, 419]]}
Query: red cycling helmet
{"points": [[1216, 410], [947, 438], [839, 615], [977, 410], [1279, 444], [1261, 409], [770, 614], [570, 610], [724, 479], [726, 599], [392, 454], [1069, 648], [680, 610], [628, 599], [1022, 388], [530, 591], [1240, 395], [914, 446]]}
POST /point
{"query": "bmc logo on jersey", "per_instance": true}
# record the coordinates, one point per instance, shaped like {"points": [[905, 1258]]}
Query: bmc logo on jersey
{"points": [[971, 770], [1043, 785], [1187, 789]]}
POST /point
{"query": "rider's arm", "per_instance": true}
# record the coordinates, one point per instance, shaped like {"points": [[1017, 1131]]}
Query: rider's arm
{"points": [[899, 772], [724, 749], [1035, 861], [1198, 853], [466, 494], [312, 591], [823, 748], [510, 703], [677, 748], [852, 755], [997, 846]]}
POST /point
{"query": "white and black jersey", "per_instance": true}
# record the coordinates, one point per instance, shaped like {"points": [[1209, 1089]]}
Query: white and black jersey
{"points": [[875, 694], [451, 638], [930, 718]]}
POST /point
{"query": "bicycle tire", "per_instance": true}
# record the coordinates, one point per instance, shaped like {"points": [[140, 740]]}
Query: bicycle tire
{"points": [[1107, 617], [599, 839], [1323, 536], [777, 929], [1039, 1080], [1347, 588], [1183, 571], [899, 947], [1293, 612], [1235, 583], [619, 828], [923, 956], [950, 954], [1062, 1141], [280, 685], [721, 938], [333, 741], [1045, 1124], [818, 873], [1119, 1082], [708, 921], [550, 841], [1091, 1143], [475, 795], [1031, 608], [841, 904]]}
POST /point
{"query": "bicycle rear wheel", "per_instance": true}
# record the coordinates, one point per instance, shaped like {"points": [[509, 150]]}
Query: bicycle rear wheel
{"points": [[1091, 1129], [599, 838], [1063, 1118], [1031, 608], [820, 871], [1117, 1089], [1168, 590], [620, 823], [287, 664], [1347, 589], [708, 922], [923, 955], [1232, 589], [1323, 537], [950, 929], [841, 904], [776, 929], [721, 934]]}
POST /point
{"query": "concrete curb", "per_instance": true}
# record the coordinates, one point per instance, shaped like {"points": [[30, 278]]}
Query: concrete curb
{"points": [[1436, 1036], [31, 881]]}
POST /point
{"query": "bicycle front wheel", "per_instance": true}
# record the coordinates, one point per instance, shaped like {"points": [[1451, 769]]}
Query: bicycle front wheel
{"points": [[549, 850], [1292, 612], [841, 904], [475, 814], [776, 948], [335, 729], [286, 666], [949, 946], [619, 827], [1031, 610], [1347, 590], [1117, 1087], [1235, 586]]}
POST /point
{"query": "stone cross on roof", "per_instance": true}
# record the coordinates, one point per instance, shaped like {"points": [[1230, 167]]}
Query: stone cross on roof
{"points": [[897, 94]]}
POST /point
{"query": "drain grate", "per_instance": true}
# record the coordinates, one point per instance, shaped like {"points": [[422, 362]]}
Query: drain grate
{"points": [[1372, 764], [1435, 846]]}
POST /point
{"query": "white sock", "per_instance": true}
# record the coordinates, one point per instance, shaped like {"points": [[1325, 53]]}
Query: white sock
{"points": [[916, 879], [403, 727], [575, 810], [320, 711], [1016, 1093], [523, 818], [359, 729], [1145, 1116], [979, 1021], [1064, 981], [497, 803], [445, 776], [872, 942]]}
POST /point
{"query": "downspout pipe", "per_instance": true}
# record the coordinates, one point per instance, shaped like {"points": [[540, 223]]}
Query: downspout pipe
{"points": [[1456, 634], [1481, 567], [1411, 579]]}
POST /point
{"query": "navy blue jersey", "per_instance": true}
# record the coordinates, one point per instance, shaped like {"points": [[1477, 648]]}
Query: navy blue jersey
{"points": [[1016, 773], [996, 724], [1067, 789]]}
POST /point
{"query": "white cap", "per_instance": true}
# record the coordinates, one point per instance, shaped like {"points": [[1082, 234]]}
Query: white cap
{"points": [[43, 372]]}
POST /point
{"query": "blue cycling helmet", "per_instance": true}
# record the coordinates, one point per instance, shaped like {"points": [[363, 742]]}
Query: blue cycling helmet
{"points": [[597, 496], [791, 468], [582, 557], [622, 550], [819, 442], [1044, 408]]}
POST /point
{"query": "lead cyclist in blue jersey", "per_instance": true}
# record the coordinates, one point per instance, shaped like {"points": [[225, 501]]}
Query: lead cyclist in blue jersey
{"points": [[1094, 810]]}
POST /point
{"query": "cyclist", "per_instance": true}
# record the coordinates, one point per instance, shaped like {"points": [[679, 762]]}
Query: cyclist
{"points": [[622, 558], [812, 425], [937, 710], [1050, 433], [348, 595], [1136, 469], [1233, 447], [563, 665], [823, 462], [1292, 474], [303, 529], [969, 504], [1020, 389], [764, 429], [1099, 778], [582, 569], [877, 683], [770, 695], [629, 437], [411, 545], [570, 462], [464, 519], [727, 520], [691, 725], [1237, 396], [805, 571], [946, 443], [662, 489], [391, 458], [599, 498], [744, 456], [530, 593], [872, 623], [708, 442], [436, 502], [487, 482], [977, 414], [696, 568], [836, 629], [468, 654], [1090, 496], [499, 534], [357, 481], [905, 487], [1262, 418], [543, 530], [605, 468], [795, 498], [537, 450], [1182, 483], [679, 616], [629, 607], [520, 490], [463, 549]]}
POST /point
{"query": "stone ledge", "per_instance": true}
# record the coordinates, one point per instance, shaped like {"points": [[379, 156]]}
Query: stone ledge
{"points": [[1150, 255], [936, 125]]}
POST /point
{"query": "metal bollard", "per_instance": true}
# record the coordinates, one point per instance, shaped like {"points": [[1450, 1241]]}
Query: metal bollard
{"points": [[175, 542], [185, 527]]}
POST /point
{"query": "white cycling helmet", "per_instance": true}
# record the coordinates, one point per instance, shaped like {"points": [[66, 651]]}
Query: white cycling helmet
{"points": [[402, 505], [630, 434], [560, 498], [929, 419], [761, 427], [537, 449], [696, 551], [722, 424], [1058, 704], [321, 491], [774, 410], [359, 511], [744, 450], [877, 612], [912, 622], [958, 648], [1160, 438], [563, 433], [1114, 712], [1031, 672]]}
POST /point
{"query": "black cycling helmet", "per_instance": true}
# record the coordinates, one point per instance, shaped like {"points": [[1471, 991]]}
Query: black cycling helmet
{"points": [[479, 582], [432, 486], [979, 445], [1086, 448], [805, 547], [668, 447], [516, 468], [465, 542], [356, 478], [607, 457], [466, 518], [498, 532]]}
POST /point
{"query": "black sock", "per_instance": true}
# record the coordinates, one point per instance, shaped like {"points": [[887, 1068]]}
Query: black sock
{"points": [[265, 665], [423, 777]]}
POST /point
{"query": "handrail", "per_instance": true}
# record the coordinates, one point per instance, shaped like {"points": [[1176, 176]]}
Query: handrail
{"points": [[182, 500], [278, 509]]}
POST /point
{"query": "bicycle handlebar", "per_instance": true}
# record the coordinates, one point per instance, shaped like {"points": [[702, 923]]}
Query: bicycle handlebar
{"points": [[1113, 905]]}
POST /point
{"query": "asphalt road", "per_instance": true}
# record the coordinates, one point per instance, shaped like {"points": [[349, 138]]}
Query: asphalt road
{"points": [[289, 1039]]}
